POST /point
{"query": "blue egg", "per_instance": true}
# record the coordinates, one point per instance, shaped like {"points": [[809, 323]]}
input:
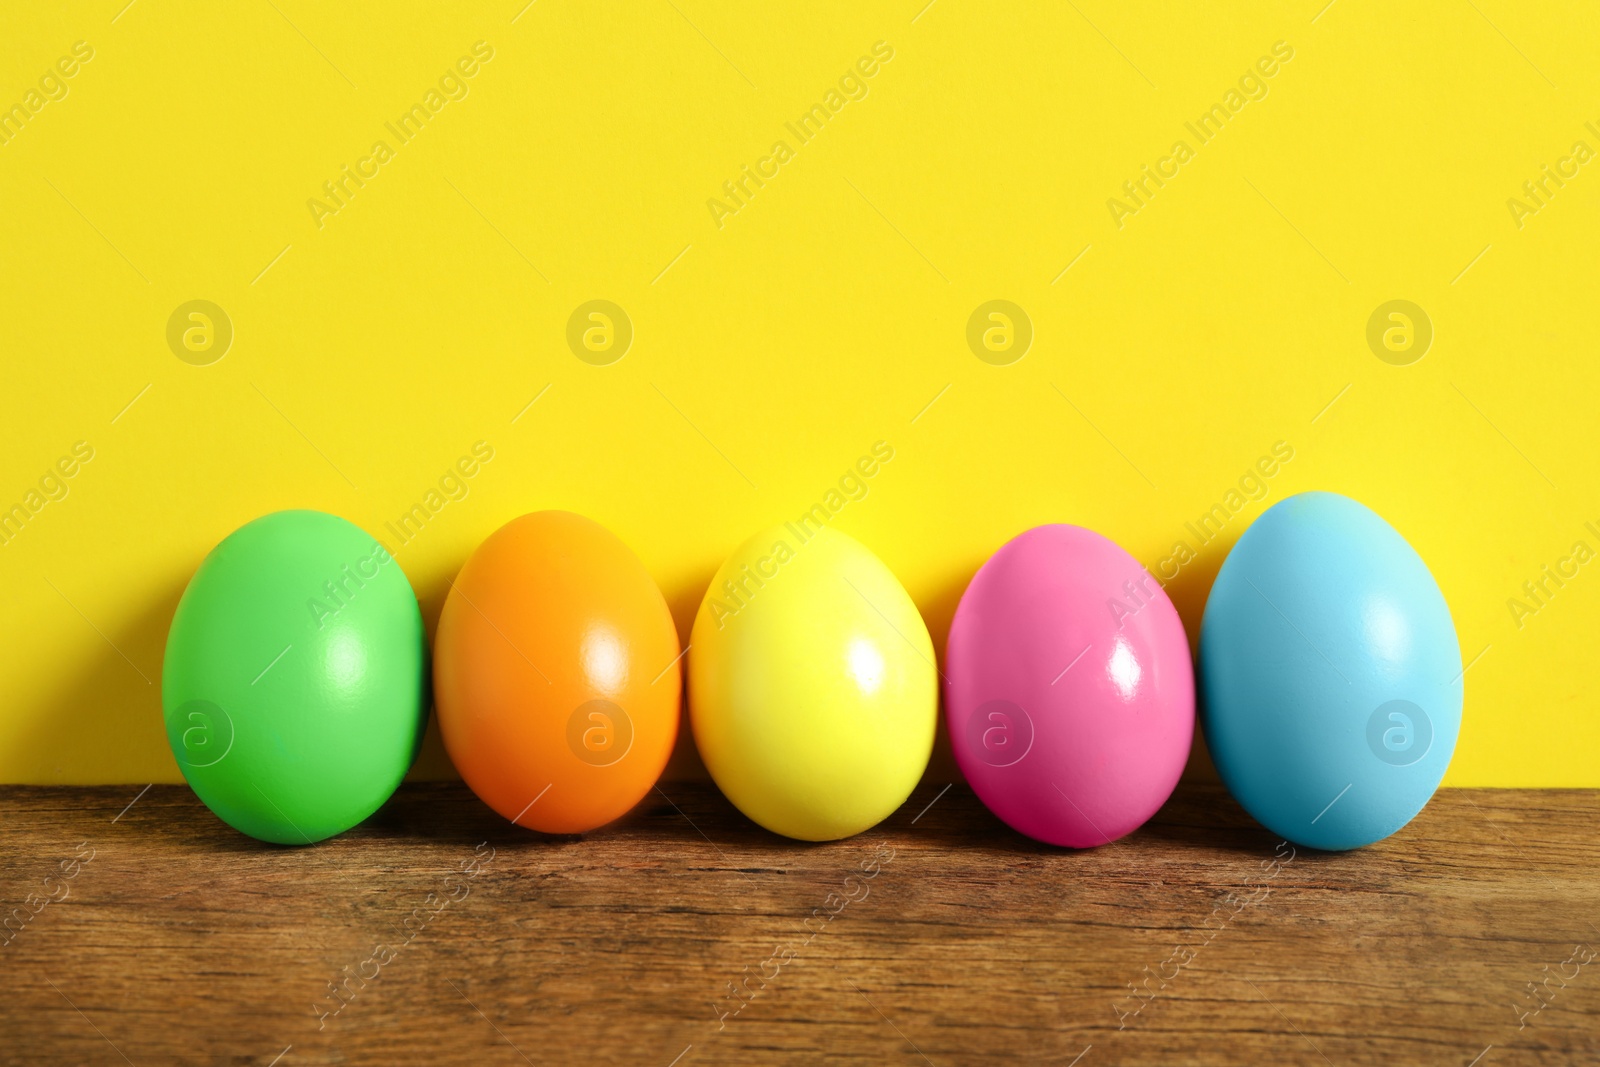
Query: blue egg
{"points": [[1330, 674]]}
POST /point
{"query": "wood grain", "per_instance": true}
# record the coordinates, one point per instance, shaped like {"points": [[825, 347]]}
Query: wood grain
{"points": [[941, 937]]}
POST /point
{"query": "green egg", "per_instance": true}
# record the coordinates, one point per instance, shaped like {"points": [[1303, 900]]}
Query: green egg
{"points": [[295, 682]]}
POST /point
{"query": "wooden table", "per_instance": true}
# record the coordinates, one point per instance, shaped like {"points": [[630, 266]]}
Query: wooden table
{"points": [[685, 935]]}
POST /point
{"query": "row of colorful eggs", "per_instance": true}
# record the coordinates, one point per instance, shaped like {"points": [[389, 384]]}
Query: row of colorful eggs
{"points": [[297, 674]]}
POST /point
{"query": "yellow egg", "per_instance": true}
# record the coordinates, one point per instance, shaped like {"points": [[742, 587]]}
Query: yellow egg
{"points": [[812, 688]]}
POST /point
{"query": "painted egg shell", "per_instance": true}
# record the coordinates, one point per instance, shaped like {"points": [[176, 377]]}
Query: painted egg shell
{"points": [[1070, 690], [556, 674], [812, 687], [294, 686], [1330, 675]]}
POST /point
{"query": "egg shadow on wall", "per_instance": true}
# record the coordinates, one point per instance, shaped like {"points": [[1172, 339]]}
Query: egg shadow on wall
{"points": [[107, 717], [938, 611], [1188, 592], [432, 763], [683, 600]]}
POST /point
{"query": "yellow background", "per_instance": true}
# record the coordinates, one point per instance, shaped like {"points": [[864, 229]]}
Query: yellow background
{"points": [[825, 315]]}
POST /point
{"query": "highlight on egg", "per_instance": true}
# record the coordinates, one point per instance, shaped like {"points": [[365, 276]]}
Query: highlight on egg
{"points": [[813, 693], [557, 674], [294, 684], [1069, 688], [1330, 673]]}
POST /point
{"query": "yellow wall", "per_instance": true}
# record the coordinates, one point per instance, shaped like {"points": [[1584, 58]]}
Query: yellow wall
{"points": [[773, 345]]}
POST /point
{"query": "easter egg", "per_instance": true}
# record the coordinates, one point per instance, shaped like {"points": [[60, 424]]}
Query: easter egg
{"points": [[1330, 674], [556, 674], [1069, 688], [294, 686], [812, 687]]}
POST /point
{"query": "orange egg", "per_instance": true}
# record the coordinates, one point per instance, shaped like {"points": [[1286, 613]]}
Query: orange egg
{"points": [[556, 674]]}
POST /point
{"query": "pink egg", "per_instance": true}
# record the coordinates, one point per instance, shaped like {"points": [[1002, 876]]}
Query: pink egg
{"points": [[1069, 689]]}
